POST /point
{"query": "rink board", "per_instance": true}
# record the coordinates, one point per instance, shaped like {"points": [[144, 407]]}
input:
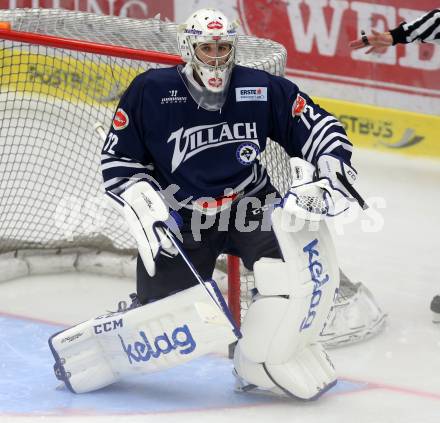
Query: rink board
{"points": [[389, 130], [28, 386]]}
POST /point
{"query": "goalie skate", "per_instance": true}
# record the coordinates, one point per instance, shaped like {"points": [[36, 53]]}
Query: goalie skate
{"points": [[242, 386]]}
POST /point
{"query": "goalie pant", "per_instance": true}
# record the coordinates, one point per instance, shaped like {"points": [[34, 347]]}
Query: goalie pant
{"points": [[208, 240]]}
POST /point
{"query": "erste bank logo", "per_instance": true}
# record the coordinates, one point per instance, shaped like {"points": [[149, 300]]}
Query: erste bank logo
{"points": [[251, 94]]}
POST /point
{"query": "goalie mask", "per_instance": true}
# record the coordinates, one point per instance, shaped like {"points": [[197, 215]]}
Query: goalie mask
{"points": [[207, 44]]}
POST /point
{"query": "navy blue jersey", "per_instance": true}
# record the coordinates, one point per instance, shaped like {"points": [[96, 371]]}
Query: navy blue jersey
{"points": [[158, 130]]}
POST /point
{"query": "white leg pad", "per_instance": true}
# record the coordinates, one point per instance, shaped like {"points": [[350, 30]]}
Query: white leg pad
{"points": [[282, 325], [306, 375], [251, 371], [145, 339]]}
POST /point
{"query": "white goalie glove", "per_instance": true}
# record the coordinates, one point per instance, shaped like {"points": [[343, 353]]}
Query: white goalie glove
{"points": [[146, 215], [322, 191], [340, 177]]}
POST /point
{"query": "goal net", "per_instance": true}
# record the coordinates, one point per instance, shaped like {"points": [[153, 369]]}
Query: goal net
{"points": [[61, 72]]}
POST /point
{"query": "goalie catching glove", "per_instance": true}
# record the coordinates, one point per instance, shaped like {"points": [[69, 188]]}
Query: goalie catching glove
{"points": [[146, 215], [322, 191]]}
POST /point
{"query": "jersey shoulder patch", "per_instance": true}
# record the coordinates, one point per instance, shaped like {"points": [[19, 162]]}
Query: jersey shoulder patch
{"points": [[120, 120], [298, 105]]}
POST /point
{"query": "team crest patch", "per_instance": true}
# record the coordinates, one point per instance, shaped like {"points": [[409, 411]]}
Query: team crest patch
{"points": [[247, 153], [120, 121], [251, 94], [298, 105]]}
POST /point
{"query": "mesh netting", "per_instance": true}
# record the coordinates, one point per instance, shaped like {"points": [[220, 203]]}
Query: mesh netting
{"points": [[50, 99], [312, 204]]}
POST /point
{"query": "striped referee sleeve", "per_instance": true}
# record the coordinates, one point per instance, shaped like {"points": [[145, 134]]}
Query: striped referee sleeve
{"points": [[426, 29]]}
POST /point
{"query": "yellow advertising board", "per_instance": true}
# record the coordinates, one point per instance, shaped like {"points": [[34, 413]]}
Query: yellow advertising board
{"points": [[79, 79], [388, 130], [65, 77]]}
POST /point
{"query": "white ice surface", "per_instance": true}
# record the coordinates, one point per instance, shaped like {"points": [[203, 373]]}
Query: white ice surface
{"points": [[400, 264]]}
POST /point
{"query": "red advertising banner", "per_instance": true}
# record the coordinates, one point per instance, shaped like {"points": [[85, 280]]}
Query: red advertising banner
{"points": [[316, 34], [139, 9]]}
